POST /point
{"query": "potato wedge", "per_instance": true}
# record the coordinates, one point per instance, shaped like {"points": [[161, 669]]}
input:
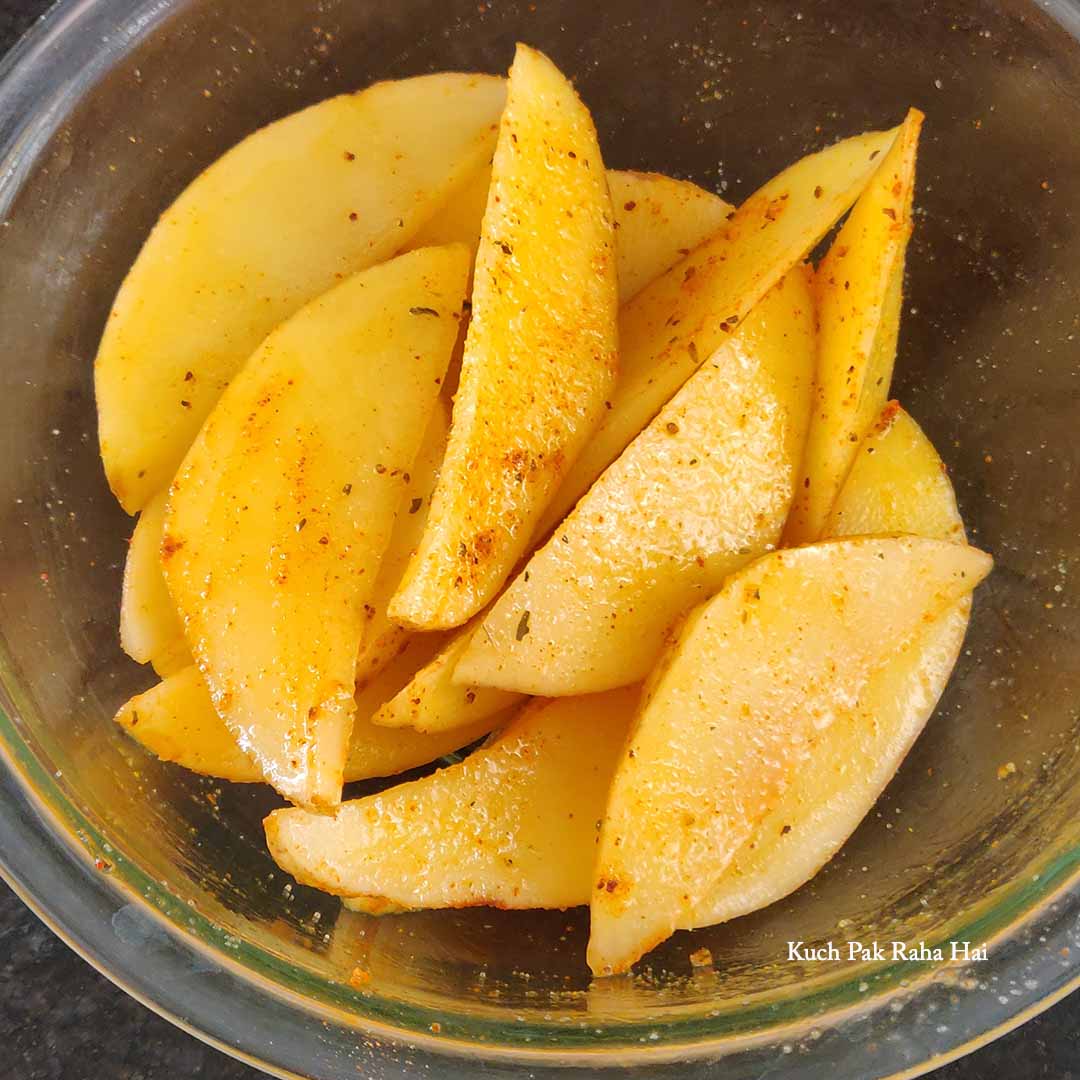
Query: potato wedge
{"points": [[378, 751], [539, 358], [781, 652], [279, 518], [177, 722], [859, 290], [705, 488], [897, 484], [667, 217], [492, 830], [383, 639], [433, 701], [678, 322], [459, 219], [276, 221], [150, 629], [658, 220]]}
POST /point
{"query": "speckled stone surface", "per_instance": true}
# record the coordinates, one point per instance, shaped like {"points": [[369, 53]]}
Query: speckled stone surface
{"points": [[61, 1020]]}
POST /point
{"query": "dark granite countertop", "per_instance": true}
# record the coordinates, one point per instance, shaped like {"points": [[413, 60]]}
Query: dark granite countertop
{"points": [[61, 1020]]}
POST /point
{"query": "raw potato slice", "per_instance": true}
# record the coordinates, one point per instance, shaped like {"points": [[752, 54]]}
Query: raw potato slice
{"points": [[678, 322], [458, 221], [679, 215], [272, 224], [279, 518], [496, 829], [380, 751], [859, 291], [705, 488], [658, 220], [176, 721], [433, 701], [383, 639], [540, 353], [898, 484], [781, 652], [150, 630]]}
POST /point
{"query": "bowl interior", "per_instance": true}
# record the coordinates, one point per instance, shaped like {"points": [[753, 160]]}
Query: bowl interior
{"points": [[724, 94]]}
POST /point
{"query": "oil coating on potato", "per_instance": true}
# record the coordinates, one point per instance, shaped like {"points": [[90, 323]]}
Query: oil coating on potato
{"points": [[898, 484], [177, 722], [280, 516], [658, 220], [539, 358], [705, 488], [512, 826], [279, 219], [780, 653], [677, 322], [859, 287], [150, 629]]}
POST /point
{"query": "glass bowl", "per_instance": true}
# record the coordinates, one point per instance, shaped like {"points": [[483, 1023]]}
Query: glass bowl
{"points": [[161, 878]]}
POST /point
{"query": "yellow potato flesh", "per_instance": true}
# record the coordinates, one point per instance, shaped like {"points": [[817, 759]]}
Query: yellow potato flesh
{"points": [[781, 652], [272, 224], [658, 220], [433, 701], [150, 629], [859, 287], [382, 638], [176, 721], [512, 826], [688, 215], [380, 751], [279, 518], [897, 485], [705, 488], [678, 322], [459, 219], [539, 358]]}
